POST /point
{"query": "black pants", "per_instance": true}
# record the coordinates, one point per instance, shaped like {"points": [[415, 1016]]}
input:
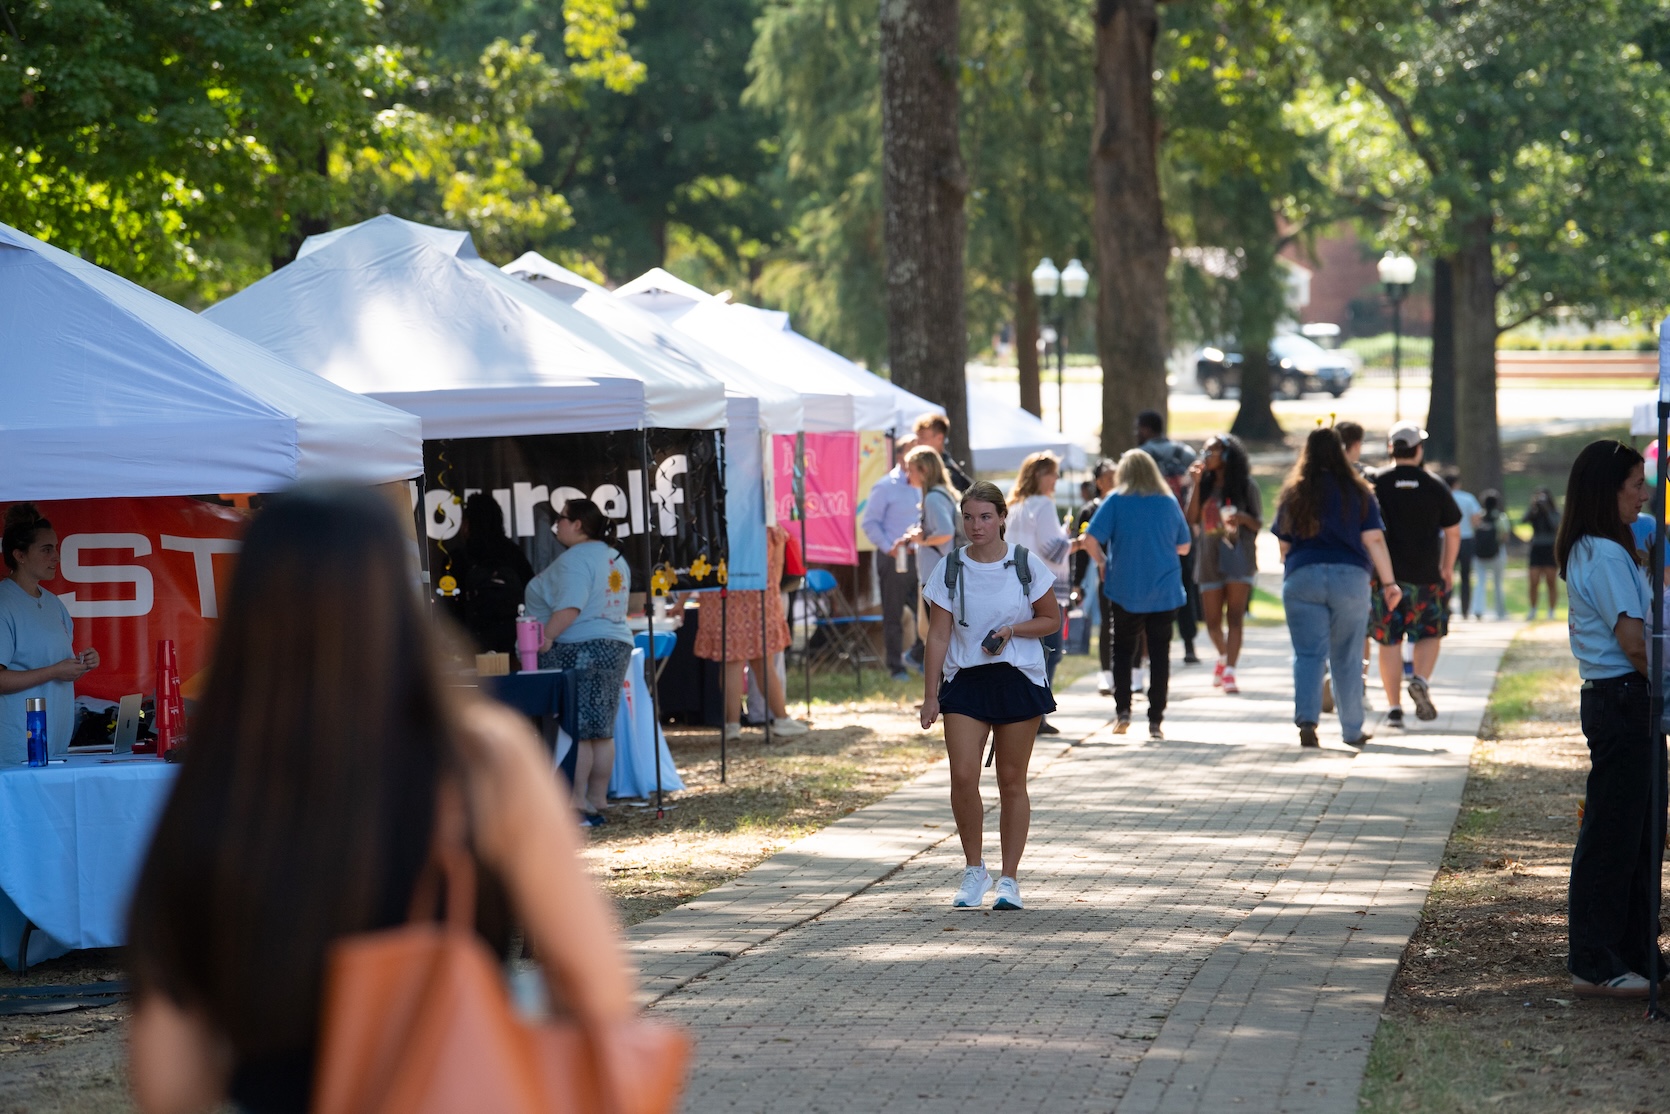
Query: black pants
{"points": [[1156, 626], [1104, 641], [1188, 613], [1612, 921], [898, 595], [1464, 575]]}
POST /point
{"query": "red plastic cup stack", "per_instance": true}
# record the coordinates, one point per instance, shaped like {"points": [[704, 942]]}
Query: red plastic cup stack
{"points": [[170, 708]]}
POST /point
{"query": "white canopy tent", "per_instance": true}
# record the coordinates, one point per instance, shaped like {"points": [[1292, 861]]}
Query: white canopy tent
{"points": [[113, 391], [410, 315], [1004, 435], [754, 404], [779, 407], [835, 400]]}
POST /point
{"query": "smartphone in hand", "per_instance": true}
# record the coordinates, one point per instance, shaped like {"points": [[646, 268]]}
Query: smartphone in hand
{"points": [[992, 643]]}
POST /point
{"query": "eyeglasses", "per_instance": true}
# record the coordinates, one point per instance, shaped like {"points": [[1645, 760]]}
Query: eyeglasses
{"points": [[566, 518]]}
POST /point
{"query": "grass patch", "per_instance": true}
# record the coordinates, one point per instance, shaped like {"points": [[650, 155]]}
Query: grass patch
{"points": [[1475, 1078], [1481, 1015]]}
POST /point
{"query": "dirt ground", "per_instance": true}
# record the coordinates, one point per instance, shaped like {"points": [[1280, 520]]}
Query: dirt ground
{"points": [[1482, 1015], [858, 752]]}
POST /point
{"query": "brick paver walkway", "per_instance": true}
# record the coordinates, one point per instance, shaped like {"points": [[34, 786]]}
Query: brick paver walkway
{"points": [[1212, 921]]}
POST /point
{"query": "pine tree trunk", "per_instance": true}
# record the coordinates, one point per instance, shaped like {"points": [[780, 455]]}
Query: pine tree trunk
{"points": [[1440, 414], [1026, 346], [1132, 247], [924, 186], [1479, 446]]}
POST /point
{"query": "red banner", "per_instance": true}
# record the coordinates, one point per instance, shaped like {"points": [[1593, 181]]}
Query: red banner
{"points": [[133, 571], [831, 494]]}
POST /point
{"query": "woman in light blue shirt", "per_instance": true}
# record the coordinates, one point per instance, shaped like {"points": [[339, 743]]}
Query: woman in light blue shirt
{"points": [[36, 658], [1612, 915], [1135, 538], [581, 598]]}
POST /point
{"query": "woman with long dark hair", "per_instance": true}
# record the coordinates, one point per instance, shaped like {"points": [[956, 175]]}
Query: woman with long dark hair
{"points": [[329, 760], [494, 576], [1612, 915], [1332, 538], [1227, 510], [36, 658], [1541, 564]]}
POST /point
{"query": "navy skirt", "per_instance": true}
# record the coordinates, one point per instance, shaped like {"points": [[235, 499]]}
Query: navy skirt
{"points": [[996, 693]]}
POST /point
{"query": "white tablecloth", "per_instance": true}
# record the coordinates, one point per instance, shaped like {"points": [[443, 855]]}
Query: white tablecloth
{"points": [[72, 839]]}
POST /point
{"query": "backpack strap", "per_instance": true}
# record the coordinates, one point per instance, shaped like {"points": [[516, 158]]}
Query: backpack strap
{"points": [[1023, 570], [953, 563]]}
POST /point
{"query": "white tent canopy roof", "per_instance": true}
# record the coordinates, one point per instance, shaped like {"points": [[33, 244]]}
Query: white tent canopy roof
{"points": [[409, 314], [780, 409], [1004, 435], [114, 391], [850, 399]]}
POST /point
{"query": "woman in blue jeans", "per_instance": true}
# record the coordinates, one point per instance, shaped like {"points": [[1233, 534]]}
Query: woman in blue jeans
{"points": [[1332, 538]]}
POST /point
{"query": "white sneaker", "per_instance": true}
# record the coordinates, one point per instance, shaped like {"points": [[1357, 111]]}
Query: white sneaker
{"points": [[977, 882], [788, 728], [733, 732], [1008, 894]]}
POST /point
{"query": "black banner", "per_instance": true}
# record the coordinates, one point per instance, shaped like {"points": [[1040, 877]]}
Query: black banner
{"points": [[681, 506]]}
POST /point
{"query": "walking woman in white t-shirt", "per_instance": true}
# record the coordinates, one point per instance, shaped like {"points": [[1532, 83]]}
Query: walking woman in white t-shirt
{"points": [[984, 631]]}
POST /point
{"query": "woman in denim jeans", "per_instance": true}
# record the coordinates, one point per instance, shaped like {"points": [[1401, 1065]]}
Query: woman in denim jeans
{"points": [[1332, 537]]}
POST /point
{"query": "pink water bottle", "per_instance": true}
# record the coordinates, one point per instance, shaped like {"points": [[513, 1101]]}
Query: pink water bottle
{"points": [[528, 633]]}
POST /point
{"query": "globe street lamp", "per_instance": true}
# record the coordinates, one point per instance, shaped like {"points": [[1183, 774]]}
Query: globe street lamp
{"points": [[1397, 274], [1048, 283]]}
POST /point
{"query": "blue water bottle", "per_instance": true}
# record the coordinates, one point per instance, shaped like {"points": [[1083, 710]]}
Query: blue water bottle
{"points": [[34, 711]]}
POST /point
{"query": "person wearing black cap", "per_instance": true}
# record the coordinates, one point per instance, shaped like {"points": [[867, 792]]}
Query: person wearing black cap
{"points": [[1423, 533]]}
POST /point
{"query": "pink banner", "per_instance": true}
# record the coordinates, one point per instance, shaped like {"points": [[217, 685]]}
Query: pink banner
{"points": [[831, 494]]}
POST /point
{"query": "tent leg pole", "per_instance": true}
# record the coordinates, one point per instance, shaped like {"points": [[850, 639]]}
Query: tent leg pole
{"points": [[649, 619], [1656, 705], [724, 675], [765, 650]]}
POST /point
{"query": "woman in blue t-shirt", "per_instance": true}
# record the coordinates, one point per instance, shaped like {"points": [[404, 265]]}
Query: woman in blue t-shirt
{"points": [[36, 658], [581, 598], [1612, 916], [1135, 538], [1332, 537]]}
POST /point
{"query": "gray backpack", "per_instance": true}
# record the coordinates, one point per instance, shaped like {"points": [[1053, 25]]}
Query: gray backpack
{"points": [[953, 565]]}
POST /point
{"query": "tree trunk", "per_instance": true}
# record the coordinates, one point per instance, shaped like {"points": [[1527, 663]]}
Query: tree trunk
{"points": [[1026, 344], [1132, 247], [306, 224], [1440, 413], [1479, 448], [1261, 297], [924, 185]]}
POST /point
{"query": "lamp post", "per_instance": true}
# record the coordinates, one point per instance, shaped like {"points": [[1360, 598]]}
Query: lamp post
{"points": [[1048, 283], [1397, 274]]}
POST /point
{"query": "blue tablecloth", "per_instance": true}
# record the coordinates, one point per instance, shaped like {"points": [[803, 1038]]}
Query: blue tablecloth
{"points": [[72, 839], [638, 740]]}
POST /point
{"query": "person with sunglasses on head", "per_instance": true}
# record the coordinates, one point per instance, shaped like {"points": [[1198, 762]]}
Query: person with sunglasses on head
{"points": [[991, 603], [1225, 506], [1612, 916], [581, 599]]}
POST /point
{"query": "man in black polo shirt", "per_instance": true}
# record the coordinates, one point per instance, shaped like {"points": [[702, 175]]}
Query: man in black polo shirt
{"points": [[1423, 533]]}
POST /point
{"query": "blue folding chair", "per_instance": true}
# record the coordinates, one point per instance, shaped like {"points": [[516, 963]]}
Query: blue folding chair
{"points": [[839, 633]]}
